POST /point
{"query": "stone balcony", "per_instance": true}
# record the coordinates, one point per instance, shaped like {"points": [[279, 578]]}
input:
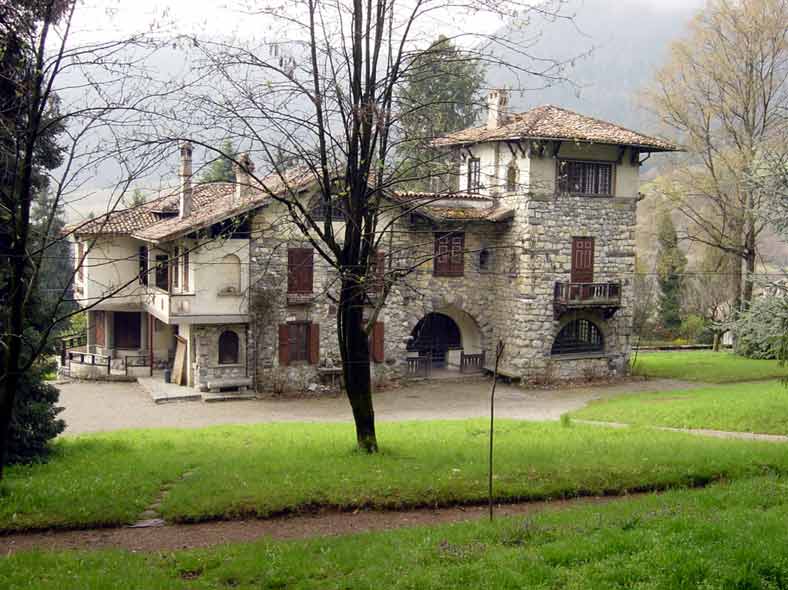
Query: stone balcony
{"points": [[604, 296]]}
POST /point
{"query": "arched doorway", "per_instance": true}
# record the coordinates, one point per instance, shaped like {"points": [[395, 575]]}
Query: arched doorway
{"points": [[435, 335]]}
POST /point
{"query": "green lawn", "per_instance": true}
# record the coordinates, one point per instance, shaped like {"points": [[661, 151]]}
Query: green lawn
{"points": [[744, 407], [727, 536], [706, 366], [264, 469]]}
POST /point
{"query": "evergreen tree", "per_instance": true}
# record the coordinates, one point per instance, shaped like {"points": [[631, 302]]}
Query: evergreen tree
{"points": [[221, 168], [440, 95], [137, 198], [671, 263]]}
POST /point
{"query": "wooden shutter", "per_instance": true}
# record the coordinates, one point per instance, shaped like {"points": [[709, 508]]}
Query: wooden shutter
{"points": [[457, 255], [377, 274], [284, 344], [441, 262], [186, 270], [582, 260], [300, 270], [314, 344], [99, 328], [376, 348]]}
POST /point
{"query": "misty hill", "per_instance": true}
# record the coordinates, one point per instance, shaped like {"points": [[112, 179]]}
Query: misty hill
{"points": [[627, 41]]}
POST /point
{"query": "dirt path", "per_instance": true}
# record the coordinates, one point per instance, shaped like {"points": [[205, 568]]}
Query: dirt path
{"points": [[778, 438], [172, 537]]}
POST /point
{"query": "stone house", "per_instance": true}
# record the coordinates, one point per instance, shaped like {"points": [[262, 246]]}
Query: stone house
{"points": [[537, 249]]}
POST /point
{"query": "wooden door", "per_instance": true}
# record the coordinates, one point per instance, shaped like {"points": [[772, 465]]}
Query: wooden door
{"points": [[582, 260]]}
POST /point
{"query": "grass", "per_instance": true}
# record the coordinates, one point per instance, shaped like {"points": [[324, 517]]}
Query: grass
{"points": [[706, 366], [264, 469], [726, 536], [744, 407]]}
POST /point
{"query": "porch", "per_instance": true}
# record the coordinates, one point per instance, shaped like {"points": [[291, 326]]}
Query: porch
{"points": [[445, 344]]}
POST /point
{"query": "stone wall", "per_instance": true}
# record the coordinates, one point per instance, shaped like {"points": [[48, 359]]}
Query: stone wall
{"points": [[510, 297]]}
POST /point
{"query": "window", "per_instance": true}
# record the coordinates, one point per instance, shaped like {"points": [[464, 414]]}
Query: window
{"points": [[176, 268], [186, 270], [230, 273], [322, 209], [485, 259], [585, 178], [449, 254], [162, 272], [300, 263], [299, 342], [511, 177], [474, 175], [578, 336], [228, 348], [143, 265]]}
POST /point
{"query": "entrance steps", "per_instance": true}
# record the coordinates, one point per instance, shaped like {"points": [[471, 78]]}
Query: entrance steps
{"points": [[226, 396]]}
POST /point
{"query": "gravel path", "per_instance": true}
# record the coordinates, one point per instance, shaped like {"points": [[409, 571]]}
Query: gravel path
{"points": [[94, 407]]}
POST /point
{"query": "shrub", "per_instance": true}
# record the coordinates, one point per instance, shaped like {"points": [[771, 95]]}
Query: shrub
{"points": [[759, 331], [34, 422], [692, 327]]}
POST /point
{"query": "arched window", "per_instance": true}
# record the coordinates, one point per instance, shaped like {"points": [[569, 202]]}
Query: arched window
{"points": [[511, 177], [228, 348], [578, 336], [230, 274]]}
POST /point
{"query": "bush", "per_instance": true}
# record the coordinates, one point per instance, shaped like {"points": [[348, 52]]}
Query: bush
{"points": [[692, 327], [34, 422], [760, 330]]}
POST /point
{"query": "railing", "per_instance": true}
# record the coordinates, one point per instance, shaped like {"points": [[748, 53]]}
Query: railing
{"points": [[89, 358], [69, 342], [582, 294], [471, 363], [419, 366]]}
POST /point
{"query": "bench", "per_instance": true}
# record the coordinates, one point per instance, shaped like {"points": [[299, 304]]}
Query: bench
{"points": [[240, 383]]}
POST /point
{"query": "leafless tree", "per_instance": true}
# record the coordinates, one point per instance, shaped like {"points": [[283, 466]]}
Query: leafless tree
{"points": [[320, 91], [724, 91]]}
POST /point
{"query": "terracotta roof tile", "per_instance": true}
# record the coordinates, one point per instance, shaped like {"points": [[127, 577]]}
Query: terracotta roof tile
{"points": [[556, 123]]}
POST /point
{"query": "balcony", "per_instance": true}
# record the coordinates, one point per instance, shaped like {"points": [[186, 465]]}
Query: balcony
{"points": [[603, 296]]}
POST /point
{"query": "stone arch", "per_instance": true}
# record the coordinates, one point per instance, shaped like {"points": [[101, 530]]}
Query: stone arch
{"points": [[229, 348], [472, 337], [230, 274], [595, 322]]}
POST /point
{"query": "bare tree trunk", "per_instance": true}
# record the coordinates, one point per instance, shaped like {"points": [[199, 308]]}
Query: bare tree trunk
{"points": [[716, 343], [355, 363], [749, 264]]}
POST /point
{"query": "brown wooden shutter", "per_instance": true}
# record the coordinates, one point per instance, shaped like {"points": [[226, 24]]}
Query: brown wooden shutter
{"points": [[377, 344], [314, 344], [378, 271], [284, 344], [300, 270], [582, 260], [442, 259], [457, 256]]}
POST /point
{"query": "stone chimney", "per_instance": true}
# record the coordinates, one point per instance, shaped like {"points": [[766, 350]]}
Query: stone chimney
{"points": [[497, 104], [185, 204], [243, 169]]}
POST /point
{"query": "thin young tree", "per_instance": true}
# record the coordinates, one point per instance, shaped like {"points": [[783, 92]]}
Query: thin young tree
{"points": [[323, 91], [724, 92]]}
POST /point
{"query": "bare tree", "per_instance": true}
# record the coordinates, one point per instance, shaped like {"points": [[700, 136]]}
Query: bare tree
{"points": [[724, 91], [321, 91]]}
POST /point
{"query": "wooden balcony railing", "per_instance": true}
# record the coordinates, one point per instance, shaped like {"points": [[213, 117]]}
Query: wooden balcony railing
{"points": [[578, 295], [419, 366]]}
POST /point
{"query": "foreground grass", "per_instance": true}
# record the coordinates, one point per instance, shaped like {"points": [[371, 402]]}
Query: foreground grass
{"points": [[263, 469], [744, 407], [706, 366], [726, 536]]}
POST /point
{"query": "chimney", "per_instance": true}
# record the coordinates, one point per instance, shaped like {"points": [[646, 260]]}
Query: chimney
{"points": [[243, 169], [497, 103], [185, 204]]}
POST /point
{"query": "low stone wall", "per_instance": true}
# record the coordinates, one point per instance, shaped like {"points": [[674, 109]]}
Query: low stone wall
{"points": [[589, 368]]}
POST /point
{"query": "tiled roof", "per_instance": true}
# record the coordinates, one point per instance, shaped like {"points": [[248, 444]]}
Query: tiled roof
{"points": [[449, 207], [556, 123], [158, 220]]}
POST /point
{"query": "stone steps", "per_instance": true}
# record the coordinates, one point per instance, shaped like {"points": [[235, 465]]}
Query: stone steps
{"points": [[226, 396]]}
